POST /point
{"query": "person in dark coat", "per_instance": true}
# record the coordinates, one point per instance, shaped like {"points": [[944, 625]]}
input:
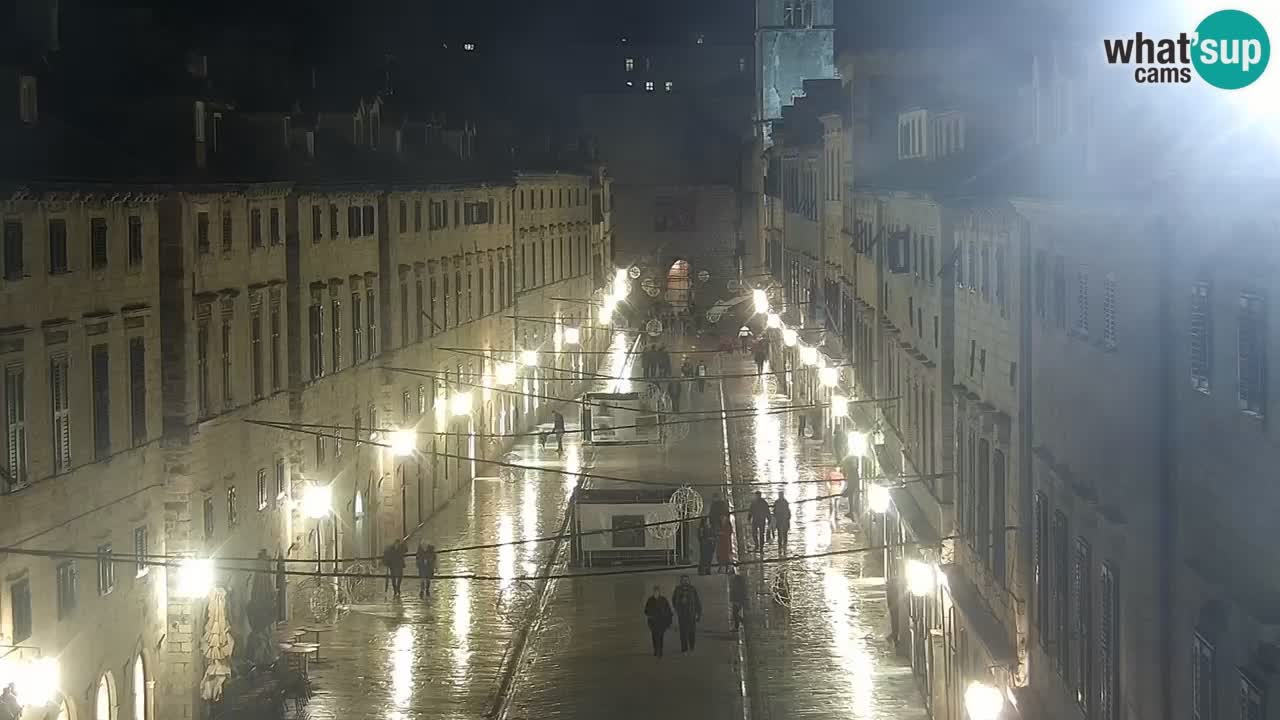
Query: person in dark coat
{"points": [[761, 354], [718, 512], [673, 389], [557, 426], [702, 376], [724, 544], [426, 569], [737, 596], [393, 558], [782, 522], [759, 513], [688, 607], [658, 613], [706, 546]]}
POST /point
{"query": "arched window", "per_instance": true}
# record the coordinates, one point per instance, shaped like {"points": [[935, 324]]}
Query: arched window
{"points": [[805, 16], [982, 535], [998, 538], [789, 13], [105, 703], [139, 689]]}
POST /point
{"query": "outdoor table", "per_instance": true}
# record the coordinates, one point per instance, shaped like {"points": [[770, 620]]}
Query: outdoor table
{"points": [[298, 654], [315, 630]]}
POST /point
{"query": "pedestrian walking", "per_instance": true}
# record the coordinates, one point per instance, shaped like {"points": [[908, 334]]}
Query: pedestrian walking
{"points": [[706, 546], [891, 597], [426, 569], [688, 607], [10, 708], [761, 354], [782, 522], [393, 558], [664, 359], [702, 376], [673, 389], [737, 597], [759, 513], [724, 544], [744, 339], [557, 425], [719, 512], [657, 611]]}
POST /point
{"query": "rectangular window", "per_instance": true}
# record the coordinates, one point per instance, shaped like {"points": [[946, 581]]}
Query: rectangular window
{"points": [[1039, 280], [315, 325], [1082, 626], [255, 354], [60, 393], [1002, 281], [480, 294], [417, 216], [281, 479], [404, 313], [13, 250], [20, 603], [208, 518], [15, 415], [1201, 336], [1202, 662], [202, 233], [470, 294], [985, 274], [1059, 293], [275, 226], [68, 589], [335, 332], [371, 323], [233, 507], [58, 247], [1082, 300], [357, 328], [135, 241], [255, 227], [100, 379], [419, 317], [333, 222], [1251, 353], [228, 391], [98, 242], [1109, 311], [226, 231], [262, 489], [422, 400], [202, 368], [106, 570], [1058, 556], [367, 216], [140, 550], [406, 406], [317, 223], [275, 344], [404, 216]]}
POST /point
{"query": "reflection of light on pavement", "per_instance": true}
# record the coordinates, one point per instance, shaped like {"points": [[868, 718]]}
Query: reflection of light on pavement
{"points": [[461, 627], [506, 552], [619, 364], [402, 667], [529, 509], [572, 464], [849, 648]]}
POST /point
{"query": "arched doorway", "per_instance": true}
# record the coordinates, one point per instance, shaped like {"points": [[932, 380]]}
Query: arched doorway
{"points": [[678, 285], [139, 689], [105, 704]]}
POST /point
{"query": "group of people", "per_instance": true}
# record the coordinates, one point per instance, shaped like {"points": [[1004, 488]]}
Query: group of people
{"points": [[715, 532], [394, 558], [656, 361], [685, 608]]}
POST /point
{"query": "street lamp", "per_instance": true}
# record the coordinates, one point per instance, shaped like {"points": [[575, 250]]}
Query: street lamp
{"points": [[195, 577], [461, 403], [773, 321], [572, 336], [921, 579], [317, 501], [839, 407], [789, 337], [403, 442], [983, 701], [878, 499], [761, 301], [529, 357], [606, 312], [506, 373], [857, 444], [808, 355], [829, 376]]}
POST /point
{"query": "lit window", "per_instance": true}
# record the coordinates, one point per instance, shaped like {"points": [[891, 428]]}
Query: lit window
{"points": [[648, 85], [630, 64], [668, 86], [468, 47], [700, 38], [630, 84]]}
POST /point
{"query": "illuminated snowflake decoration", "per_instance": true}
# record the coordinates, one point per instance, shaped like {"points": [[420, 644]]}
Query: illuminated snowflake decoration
{"points": [[686, 502], [666, 516], [514, 601], [653, 327], [361, 583], [507, 473], [703, 276], [322, 598], [655, 398], [634, 271], [650, 287], [734, 285], [781, 588]]}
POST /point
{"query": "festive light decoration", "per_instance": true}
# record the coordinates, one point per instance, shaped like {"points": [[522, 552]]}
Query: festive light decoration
{"points": [[839, 406], [761, 301], [572, 336], [878, 499], [773, 321]]}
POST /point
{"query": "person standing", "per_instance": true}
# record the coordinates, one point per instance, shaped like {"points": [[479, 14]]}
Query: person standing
{"points": [[426, 569], [744, 339], [719, 512], [389, 560], [702, 376], [706, 546], [782, 522], [724, 544], [737, 597], [688, 607], [658, 613], [673, 389], [558, 428], [759, 513], [761, 354]]}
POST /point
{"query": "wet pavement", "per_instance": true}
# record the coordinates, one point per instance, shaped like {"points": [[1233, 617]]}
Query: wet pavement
{"points": [[822, 653], [444, 657]]}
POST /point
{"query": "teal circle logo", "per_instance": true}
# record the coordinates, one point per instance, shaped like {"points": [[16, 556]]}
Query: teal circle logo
{"points": [[1231, 49]]}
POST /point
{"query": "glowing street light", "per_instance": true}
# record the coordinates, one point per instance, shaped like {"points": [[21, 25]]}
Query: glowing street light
{"points": [[789, 337], [619, 276], [403, 442], [506, 373], [195, 577], [461, 403], [761, 301], [808, 355], [606, 312], [317, 500], [839, 406], [773, 321], [983, 701], [857, 444], [921, 578], [878, 499], [572, 336], [529, 357], [829, 376]]}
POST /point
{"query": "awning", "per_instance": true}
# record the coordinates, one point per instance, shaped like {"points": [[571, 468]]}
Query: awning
{"points": [[979, 618]]}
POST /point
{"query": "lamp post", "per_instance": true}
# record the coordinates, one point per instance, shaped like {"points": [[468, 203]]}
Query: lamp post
{"points": [[317, 503]]}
